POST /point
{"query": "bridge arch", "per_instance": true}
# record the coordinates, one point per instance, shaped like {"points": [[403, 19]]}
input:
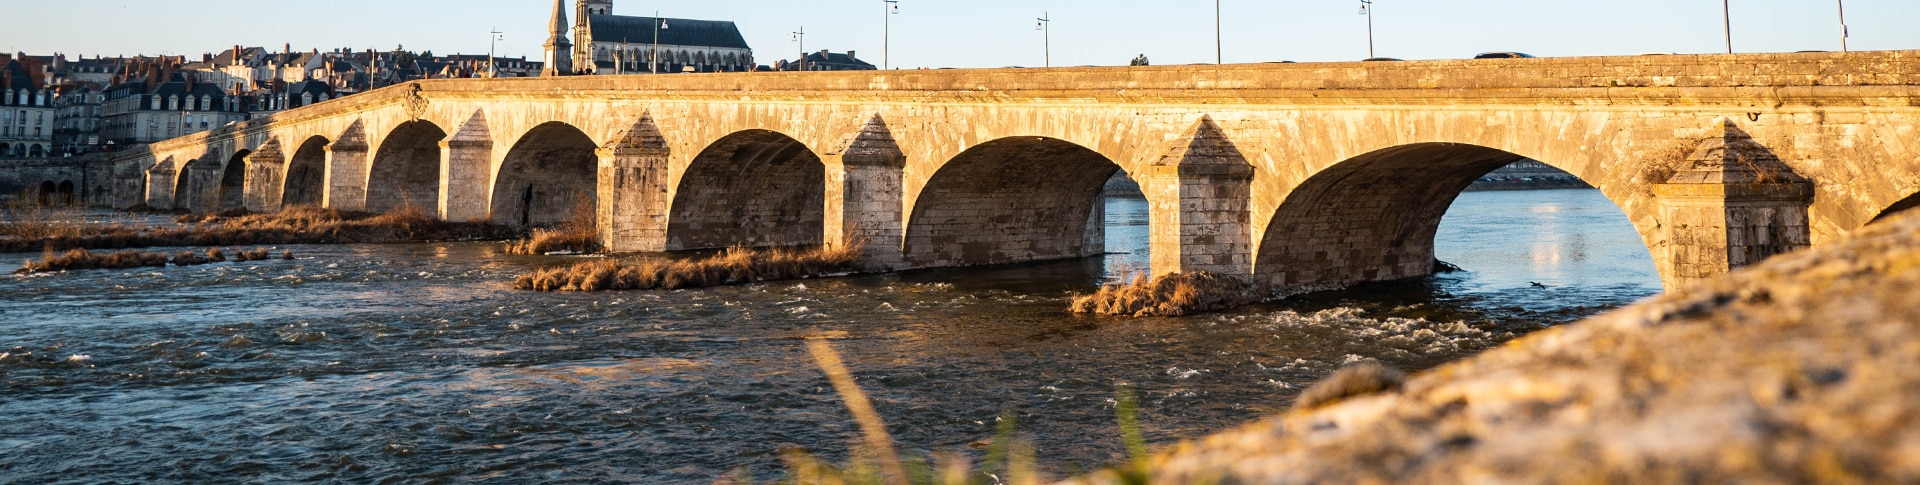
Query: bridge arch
{"points": [[232, 191], [306, 178], [1903, 205], [65, 193], [758, 188], [406, 170], [1373, 217], [549, 175], [1010, 200], [183, 188], [45, 193]]}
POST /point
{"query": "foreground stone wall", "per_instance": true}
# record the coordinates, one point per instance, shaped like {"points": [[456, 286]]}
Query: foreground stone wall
{"points": [[1805, 368], [87, 180]]}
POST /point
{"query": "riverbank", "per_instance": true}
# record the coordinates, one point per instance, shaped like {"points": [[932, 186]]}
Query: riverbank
{"points": [[1805, 368]]}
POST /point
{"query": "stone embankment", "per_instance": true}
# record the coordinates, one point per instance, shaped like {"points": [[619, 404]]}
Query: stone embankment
{"points": [[1805, 368]]}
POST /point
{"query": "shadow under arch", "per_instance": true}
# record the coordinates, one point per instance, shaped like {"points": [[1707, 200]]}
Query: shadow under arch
{"points": [[46, 193], [1372, 217], [183, 193], [546, 177], [233, 182], [306, 177], [66, 193], [1903, 205], [1010, 200], [406, 171], [756, 188]]}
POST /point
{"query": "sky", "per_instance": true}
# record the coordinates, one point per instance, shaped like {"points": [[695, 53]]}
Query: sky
{"points": [[993, 33]]}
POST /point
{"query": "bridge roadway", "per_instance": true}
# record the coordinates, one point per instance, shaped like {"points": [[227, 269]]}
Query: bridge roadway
{"points": [[1299, 176]]}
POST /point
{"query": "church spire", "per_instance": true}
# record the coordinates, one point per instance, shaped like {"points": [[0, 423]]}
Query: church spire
{"points": [[559, 52]]}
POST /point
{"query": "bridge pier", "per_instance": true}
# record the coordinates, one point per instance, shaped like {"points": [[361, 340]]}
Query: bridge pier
{"points": [[1733, 204], [633, 197], [346, 170], [466, 158], [160, 180], [1200, 208], [266, 172], [864, 196]]}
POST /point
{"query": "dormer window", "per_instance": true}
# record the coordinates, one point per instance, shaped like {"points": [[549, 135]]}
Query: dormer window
{"points": [[173, 102], [205, 103]]}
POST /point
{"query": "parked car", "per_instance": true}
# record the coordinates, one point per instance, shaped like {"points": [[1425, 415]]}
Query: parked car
{"points": [[1503, 55]]}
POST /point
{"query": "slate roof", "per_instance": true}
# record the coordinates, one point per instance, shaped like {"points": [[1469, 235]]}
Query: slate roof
{"points": [[679, 32]]}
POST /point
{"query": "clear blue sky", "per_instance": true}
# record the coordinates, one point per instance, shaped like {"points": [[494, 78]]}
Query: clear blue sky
{"points": [[992, 33]]}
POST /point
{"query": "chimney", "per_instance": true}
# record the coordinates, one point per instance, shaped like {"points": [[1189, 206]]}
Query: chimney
{"points": [[850, 56]]}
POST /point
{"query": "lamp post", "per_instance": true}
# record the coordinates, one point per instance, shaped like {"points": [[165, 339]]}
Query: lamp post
{"points": [[492, 71], [1218, 56], [1844, 33], [653, 58], [886, 32], [1366, 9], [1046, 37], [801, 37], [1726, 11]]}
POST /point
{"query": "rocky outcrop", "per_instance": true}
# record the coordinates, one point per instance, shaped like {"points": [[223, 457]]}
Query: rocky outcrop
{"points": [[1805, 368]]}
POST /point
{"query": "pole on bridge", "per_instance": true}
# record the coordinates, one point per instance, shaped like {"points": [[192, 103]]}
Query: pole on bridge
{"points": [[1843, 26], [1218, 56], [1366, 8], [892, 8], [1726, 10], [1046, 36]]}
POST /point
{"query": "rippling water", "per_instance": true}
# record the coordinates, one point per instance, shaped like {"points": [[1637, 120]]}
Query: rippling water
{"points": [[416, 362]]}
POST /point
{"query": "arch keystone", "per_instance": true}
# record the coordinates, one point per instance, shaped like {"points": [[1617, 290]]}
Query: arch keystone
{"points": [[1200, 205], [865, 196], [1733, 203], [632, 188]]}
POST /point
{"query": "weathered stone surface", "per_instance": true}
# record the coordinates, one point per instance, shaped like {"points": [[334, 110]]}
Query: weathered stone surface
{"points": [[1352, 163], [1805, 368]]}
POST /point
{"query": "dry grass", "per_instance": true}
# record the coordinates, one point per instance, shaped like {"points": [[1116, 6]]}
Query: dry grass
{"points": [[300, 225], [33, 221], [577, 235], [736, 265], [81, 259], [1173, 295]]}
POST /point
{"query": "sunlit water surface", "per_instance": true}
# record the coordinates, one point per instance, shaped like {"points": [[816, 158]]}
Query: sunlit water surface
{"points": [[416, 362]]}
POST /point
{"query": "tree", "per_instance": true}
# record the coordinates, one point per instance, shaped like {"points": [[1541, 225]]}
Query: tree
{"points": [[1140, 60]]}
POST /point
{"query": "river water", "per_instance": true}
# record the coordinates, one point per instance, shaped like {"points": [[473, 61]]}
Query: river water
{"points": [[417, 363]]}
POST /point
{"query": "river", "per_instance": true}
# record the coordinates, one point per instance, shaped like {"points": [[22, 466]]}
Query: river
{"points": [[417, 363]]}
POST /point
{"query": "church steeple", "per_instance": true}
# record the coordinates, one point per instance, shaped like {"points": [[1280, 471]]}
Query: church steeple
{"points": [[559, 52]]}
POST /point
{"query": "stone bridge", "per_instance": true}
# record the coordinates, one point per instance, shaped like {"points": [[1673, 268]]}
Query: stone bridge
{"points": [[1300, 176]]}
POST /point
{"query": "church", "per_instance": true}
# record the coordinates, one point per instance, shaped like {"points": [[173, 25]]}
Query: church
{"points": [[604, 43]]}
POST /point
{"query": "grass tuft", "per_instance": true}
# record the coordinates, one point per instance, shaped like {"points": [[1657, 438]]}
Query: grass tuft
{"points": [[299, 225], [1173, 295], [577, 235], [735, 266]]}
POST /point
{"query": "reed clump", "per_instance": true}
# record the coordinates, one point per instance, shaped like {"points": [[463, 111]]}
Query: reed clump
{"points": [[577, 235], [735, 266], [299, 225], [1172, 295], [80, 259], [19, 220]]}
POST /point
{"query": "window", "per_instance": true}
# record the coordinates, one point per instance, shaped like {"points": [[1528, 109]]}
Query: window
{"points": [[173, 102], [204, 102], [156, 103]]}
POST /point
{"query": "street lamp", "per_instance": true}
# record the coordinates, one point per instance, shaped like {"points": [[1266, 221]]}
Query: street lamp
{"points": [[1843, 26], [801, 37], [653, 58], [1218, 57], [1726, 11], [493, 72], [1366, 9], [1046, 27], [886, 32]]}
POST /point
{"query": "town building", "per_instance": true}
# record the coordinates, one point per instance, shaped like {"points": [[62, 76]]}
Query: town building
{"points": [[76, 118], [825, 61], [604, 43], [156, 102], [26, 109]]}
